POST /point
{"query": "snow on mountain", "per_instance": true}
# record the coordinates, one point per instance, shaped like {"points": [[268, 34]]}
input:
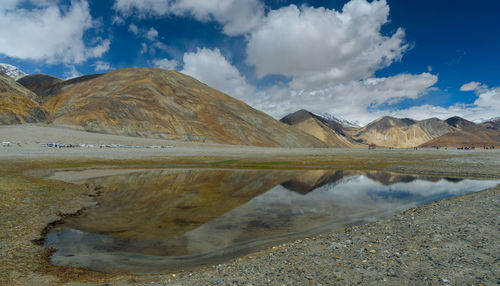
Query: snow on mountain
{"points": [[11, 71], [342, 121], [494, 119]]}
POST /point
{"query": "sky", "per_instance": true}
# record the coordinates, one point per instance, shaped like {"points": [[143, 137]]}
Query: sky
{"points": [[354, 59]]}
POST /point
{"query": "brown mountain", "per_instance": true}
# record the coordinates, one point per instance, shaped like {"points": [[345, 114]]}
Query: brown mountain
{"points": [[39, 83], [402, 133], [468, 134], [18, 104], [158, 103], [327, 131], [492, 124]]}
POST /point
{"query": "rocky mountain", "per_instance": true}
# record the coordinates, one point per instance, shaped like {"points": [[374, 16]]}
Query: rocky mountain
{"points": [[328, 131], [468, 134], [18, 104], [158, 103], [402, 133], [461, 138], [344, 122], [460, 123], [40, 84], [11, 71], [493, 124]]}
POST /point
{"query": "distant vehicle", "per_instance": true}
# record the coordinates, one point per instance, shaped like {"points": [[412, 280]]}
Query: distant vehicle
{"points": [[6, 144]]}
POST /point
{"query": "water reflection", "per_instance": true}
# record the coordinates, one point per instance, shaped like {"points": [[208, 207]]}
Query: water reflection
{"points": [[151, 221]]}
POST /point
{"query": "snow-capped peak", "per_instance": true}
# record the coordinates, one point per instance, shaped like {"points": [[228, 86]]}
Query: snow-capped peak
{"points": [[11, 71], [342, 121], [494, 119]]}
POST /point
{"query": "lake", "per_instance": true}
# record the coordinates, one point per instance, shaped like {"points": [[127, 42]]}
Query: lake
{"points": [[170, 219]]}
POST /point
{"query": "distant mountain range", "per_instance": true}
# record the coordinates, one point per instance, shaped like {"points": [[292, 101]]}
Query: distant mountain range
{"points": [[400, 132], [157, 103]]}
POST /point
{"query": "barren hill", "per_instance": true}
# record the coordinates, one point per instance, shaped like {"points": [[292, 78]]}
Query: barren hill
{"points": [[402, 133], [18, 104], [327, 131], [469, 134], [39, 83], [158, 103]]}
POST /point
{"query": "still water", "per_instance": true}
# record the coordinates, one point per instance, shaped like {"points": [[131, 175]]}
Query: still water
{"points": [[160, 220]]}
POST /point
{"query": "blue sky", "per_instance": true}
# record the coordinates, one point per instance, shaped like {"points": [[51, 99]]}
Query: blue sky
{"points": [[354, 59]]}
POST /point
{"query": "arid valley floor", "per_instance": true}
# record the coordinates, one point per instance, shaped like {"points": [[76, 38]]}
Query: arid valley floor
{"points": [[450, 242]]}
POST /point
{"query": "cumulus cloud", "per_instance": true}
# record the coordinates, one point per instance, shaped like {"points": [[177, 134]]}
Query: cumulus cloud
{"points": [[236, 16], [473, 86], [204, 62], [101, 66], [47, 33], [152, 34], [356, 101], [317, 46], [166, 64]]}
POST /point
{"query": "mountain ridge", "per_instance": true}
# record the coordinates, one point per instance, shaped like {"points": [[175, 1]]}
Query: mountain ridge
{"points": [[157, 103]]}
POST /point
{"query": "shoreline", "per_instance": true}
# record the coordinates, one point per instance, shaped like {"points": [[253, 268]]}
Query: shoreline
{"points": [[438, 243]]}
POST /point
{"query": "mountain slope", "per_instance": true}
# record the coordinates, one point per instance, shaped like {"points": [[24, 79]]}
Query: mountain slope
{"points": [[402, 133], [329, 132], [11, 71], [467, 138], [158, 103], [18, 104], [39, 83]]}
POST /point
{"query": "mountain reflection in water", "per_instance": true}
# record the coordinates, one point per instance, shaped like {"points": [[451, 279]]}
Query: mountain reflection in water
{"points": [[157, 220]]}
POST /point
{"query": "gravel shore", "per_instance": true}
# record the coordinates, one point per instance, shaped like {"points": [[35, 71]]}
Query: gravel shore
{"points": [[451, 242]]}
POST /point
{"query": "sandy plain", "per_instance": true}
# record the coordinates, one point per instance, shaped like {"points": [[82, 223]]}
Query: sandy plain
{"points": [[450, 242]]}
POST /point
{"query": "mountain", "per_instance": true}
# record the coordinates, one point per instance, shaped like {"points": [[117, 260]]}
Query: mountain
{"points": [[39, 84], [402, 133], [478, 138], [344, 122], [156, 103], [460, 123], [11, 71], [468, 134], [18, 104], [493, 124], [329, 132]]}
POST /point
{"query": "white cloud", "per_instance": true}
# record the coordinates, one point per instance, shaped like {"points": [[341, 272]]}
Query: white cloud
{"points": [[152, 34], [166, 64], [317, 46], [236, 16], [142, 8], [134, 29], [144, 48], [202, 66], [355, 101], [72, 73], [45, 33], [473, 86], [101, 66]]}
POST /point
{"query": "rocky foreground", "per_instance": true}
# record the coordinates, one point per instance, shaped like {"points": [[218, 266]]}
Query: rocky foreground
{"points": [[451, 242]]}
